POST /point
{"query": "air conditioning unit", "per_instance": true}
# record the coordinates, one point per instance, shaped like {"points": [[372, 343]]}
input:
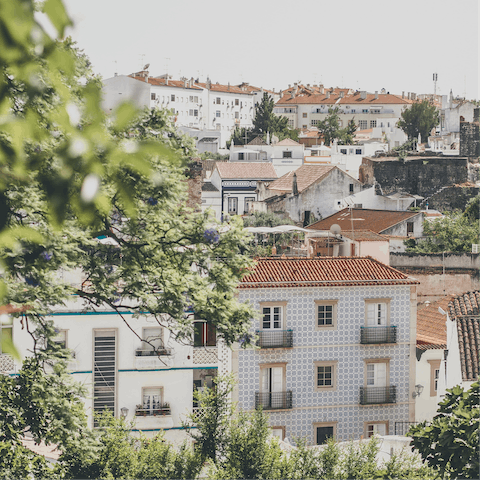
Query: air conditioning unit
{"points": [[475, 248]]}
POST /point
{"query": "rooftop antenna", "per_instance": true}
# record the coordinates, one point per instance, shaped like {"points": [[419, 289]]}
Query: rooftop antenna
{"points": [[166, 65], [435, 78], [116, 68], [142, 59]]}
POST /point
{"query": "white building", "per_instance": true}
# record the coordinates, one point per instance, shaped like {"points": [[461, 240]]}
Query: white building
{"points": [[203, 110], [154, 380]]}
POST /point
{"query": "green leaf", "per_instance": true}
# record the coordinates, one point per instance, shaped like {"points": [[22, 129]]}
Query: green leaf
{"points": [[58, 15], [9, 347]]}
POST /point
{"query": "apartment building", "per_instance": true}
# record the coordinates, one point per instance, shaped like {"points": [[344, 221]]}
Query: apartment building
{"points": [[336, 354]]}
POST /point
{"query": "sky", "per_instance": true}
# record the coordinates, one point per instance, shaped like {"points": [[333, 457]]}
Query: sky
{"points": [[364, 45]]}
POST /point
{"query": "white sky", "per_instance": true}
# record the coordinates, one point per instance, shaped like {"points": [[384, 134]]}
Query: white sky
{"points": [[367, 45]]}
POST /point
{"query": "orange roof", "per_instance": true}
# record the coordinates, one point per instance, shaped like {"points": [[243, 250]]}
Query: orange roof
{"points": [[375, 220], [162, 82], [431, 324], [306, 176], [322, 272], [334, 98], [216, 87], [364, 236], [246, 170], [288, 142]]}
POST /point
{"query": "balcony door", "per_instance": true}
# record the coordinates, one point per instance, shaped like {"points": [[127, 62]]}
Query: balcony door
{"points": [[376, 374], [376, 314], [272, 387]]}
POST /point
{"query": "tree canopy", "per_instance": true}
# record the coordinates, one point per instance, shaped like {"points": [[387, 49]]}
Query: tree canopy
{"points": [[265, 121], [330, 128], [450, 442], [420, 118]]}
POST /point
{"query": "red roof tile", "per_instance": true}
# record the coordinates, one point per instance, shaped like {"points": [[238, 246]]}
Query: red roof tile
{"points": [[306, 176], [216, 87], [364, 236], [322, 271], [162, 82], [334, 98], [246, 170], [431, 324], [375, 220]]}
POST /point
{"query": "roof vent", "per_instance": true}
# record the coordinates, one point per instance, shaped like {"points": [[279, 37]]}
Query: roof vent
{"points": [[376, 94], [363, 95]]}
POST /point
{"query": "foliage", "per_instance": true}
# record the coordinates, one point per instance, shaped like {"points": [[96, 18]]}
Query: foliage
{"points": [[420, 118], [214, 156], [268, 219], [450, 442], [455, 232], [330, 128], [265, 121], [472, 209]]}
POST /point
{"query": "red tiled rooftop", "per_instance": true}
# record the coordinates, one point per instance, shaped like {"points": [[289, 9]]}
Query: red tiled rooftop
{"points": [[246, 170], [322, 271], [364, 219], [364, 236], [306, 176], [334, 98], [431, 324]]}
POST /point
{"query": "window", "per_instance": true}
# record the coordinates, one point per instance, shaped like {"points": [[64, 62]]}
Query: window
{"points": [[248, 201], [362, 124], [376, 428], [237, 115], [351, 188], [217, 100], [241, 156], [204, 334], [6, 331], [326, 312], [60, 338], [409, 228], [233, 205], [172, 98], [273, 315], [325, 375], [373, 123], [434, 376], [153, 96], [304, 127], [377, 312], [304, 115], [377, 372], [152, 401], [343, 150], [287, 154], [365, 110], [324, 431], [217, 113], [314, 122], [153, 344], [291, 122], [273, 394], [237, 101], [278, 432], [358, 151]]}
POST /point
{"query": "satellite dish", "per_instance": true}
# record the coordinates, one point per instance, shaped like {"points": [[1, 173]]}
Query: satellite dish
{"points": [[335, 229]]}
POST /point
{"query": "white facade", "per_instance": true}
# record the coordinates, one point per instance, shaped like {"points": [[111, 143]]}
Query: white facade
{"points": [[368, 198], [121, 371]]}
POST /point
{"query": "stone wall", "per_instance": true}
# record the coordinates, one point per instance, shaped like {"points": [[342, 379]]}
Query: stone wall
{"points": [[451, 198], [470, 137], [420, 175]]}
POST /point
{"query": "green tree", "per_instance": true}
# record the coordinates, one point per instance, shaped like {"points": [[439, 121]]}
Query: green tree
{"points": [[265, 121], [330, 128], [450, 442], [420, 118]]}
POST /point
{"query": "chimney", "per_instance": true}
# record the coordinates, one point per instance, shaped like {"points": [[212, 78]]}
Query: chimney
{"points": [[185, 83], [363, 95], [322, 90], [403, 94], [414, 96], [342, 94], [327, 94], [294, 184], [228, 86], [292, 94], [408, 95], [376, 94]]}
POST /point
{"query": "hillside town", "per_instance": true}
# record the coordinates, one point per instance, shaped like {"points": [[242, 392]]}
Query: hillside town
{"points": [[294, 255]]}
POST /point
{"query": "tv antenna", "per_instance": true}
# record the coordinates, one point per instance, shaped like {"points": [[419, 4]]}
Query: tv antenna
{"points": [[435, 78]]}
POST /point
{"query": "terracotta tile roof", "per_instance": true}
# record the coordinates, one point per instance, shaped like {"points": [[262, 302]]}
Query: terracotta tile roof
{"points": [[464, 309], [162, 82], [322, 271], [216, 87], [364, 236], [375, 220], [306, 176], [355, 99], [257, 141], [246, 170], [288, 142], [431, 324]]}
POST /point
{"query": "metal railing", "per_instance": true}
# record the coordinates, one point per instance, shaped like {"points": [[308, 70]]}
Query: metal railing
{"points": [[152, 412], [380, 334], [402, 428], [376, 395], [274, 338], [274, 400], [153, 353]]}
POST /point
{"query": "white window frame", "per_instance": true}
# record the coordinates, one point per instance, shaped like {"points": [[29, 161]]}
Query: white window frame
{"points": [[376, 378], [282, 306], [329, 369], [362, 124], [326, 303], [372, 321], [145, 392], [371, 428]]}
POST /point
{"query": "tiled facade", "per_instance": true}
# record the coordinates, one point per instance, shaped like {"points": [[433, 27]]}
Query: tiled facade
{"points": [[340, 344]]}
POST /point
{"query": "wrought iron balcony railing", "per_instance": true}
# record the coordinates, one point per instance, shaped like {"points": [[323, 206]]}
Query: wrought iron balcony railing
{"points": [[380, 334], [376, 395], [273, 400], [275, 338]]}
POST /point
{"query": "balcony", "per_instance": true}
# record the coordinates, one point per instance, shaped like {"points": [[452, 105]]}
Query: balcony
{"points": [[146, 359], [153, 353], [274, 400], [161, 410], [205, 355], [7, 364], [274, 338], [380, 334], [378, 395]]}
